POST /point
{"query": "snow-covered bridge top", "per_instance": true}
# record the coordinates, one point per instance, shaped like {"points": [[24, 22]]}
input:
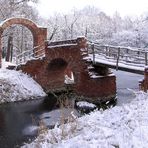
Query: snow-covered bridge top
{"points": [[123, 58]]}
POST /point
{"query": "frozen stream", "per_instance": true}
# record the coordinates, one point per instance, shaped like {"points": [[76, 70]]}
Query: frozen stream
{"points": [[126, 81]]}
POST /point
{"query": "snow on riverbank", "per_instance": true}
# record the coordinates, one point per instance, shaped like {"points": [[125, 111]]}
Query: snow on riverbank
{"points": [[85, 104], [16, 86], [121, 126]]}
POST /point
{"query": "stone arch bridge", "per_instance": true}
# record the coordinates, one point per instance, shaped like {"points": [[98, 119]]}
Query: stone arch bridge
{"points": [[63, 58], [66, 57]]}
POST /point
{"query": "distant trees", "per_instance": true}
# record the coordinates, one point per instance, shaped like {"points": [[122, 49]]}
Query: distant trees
{"points": [[97, 26], [89, 22], [13, 8]]}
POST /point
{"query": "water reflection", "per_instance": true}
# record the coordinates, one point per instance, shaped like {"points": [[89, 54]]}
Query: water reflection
{"points": [[20, 121]]}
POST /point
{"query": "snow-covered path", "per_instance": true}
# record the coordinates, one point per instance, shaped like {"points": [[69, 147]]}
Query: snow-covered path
{"points": [[16, 86], [122, 126]]}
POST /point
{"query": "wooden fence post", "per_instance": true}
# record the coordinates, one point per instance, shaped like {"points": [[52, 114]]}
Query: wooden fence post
{"points": [[127, 51], [118, 56], [145, 79], [16, 60], [146, 58], [106, 50], [24, 57], [93, 51], [109, 51]]}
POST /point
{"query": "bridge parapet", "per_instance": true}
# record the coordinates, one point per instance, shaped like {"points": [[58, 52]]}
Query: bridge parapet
{"points": [[81, 41], [54, 43]]}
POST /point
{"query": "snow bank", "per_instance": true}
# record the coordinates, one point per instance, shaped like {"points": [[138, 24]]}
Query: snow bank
{"points": [[15, 86], [5, 64], [122, 126]]}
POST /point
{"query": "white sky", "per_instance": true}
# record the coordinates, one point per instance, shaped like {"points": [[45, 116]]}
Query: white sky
{"points": [[124, 7]]}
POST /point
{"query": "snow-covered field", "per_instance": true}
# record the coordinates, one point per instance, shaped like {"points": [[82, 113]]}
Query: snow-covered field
{"points": [[16, 86], [123, 126]]}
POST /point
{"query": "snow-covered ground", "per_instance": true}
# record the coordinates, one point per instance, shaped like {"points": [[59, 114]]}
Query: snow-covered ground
{"points": [[16, 86], [123, 126]]}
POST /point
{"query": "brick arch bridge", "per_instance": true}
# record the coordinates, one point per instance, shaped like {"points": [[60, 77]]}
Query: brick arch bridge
{"points": [[64, 57], [39, 33]]}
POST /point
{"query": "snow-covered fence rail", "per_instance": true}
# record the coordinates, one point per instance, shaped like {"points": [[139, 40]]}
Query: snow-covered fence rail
{"points": [[29, 55], [126, 55], [39, 51], [62, 42]]}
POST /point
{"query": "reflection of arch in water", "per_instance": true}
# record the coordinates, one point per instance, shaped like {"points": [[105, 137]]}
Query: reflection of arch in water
{"points": [[39, 33]]}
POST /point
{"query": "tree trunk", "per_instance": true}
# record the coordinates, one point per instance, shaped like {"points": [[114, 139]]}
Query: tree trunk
{"points": [[9, 48]]}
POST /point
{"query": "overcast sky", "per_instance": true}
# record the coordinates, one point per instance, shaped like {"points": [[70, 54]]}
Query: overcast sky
{"points": [[124, 7]]}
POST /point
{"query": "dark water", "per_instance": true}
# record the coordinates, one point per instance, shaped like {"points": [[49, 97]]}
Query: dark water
{"points": [[19, 121], [125, 83], [15, 120]]}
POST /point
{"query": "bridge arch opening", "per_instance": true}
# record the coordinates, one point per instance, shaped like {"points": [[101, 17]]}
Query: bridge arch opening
{"points": [[61, 70], [57, 64], [16, 40], [39, 34]]}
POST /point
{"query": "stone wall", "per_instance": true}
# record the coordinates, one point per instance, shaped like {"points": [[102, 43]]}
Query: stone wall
{"points": [[103, 87], [51, 76]]}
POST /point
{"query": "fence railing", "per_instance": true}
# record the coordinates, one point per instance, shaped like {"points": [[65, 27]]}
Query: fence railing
{"points": [[29, 55], [34, 54], [118, 54]]}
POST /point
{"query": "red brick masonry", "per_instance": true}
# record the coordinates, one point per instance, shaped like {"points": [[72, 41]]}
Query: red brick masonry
{"points": [[68, 56], [39, 33], [143, 84]]}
